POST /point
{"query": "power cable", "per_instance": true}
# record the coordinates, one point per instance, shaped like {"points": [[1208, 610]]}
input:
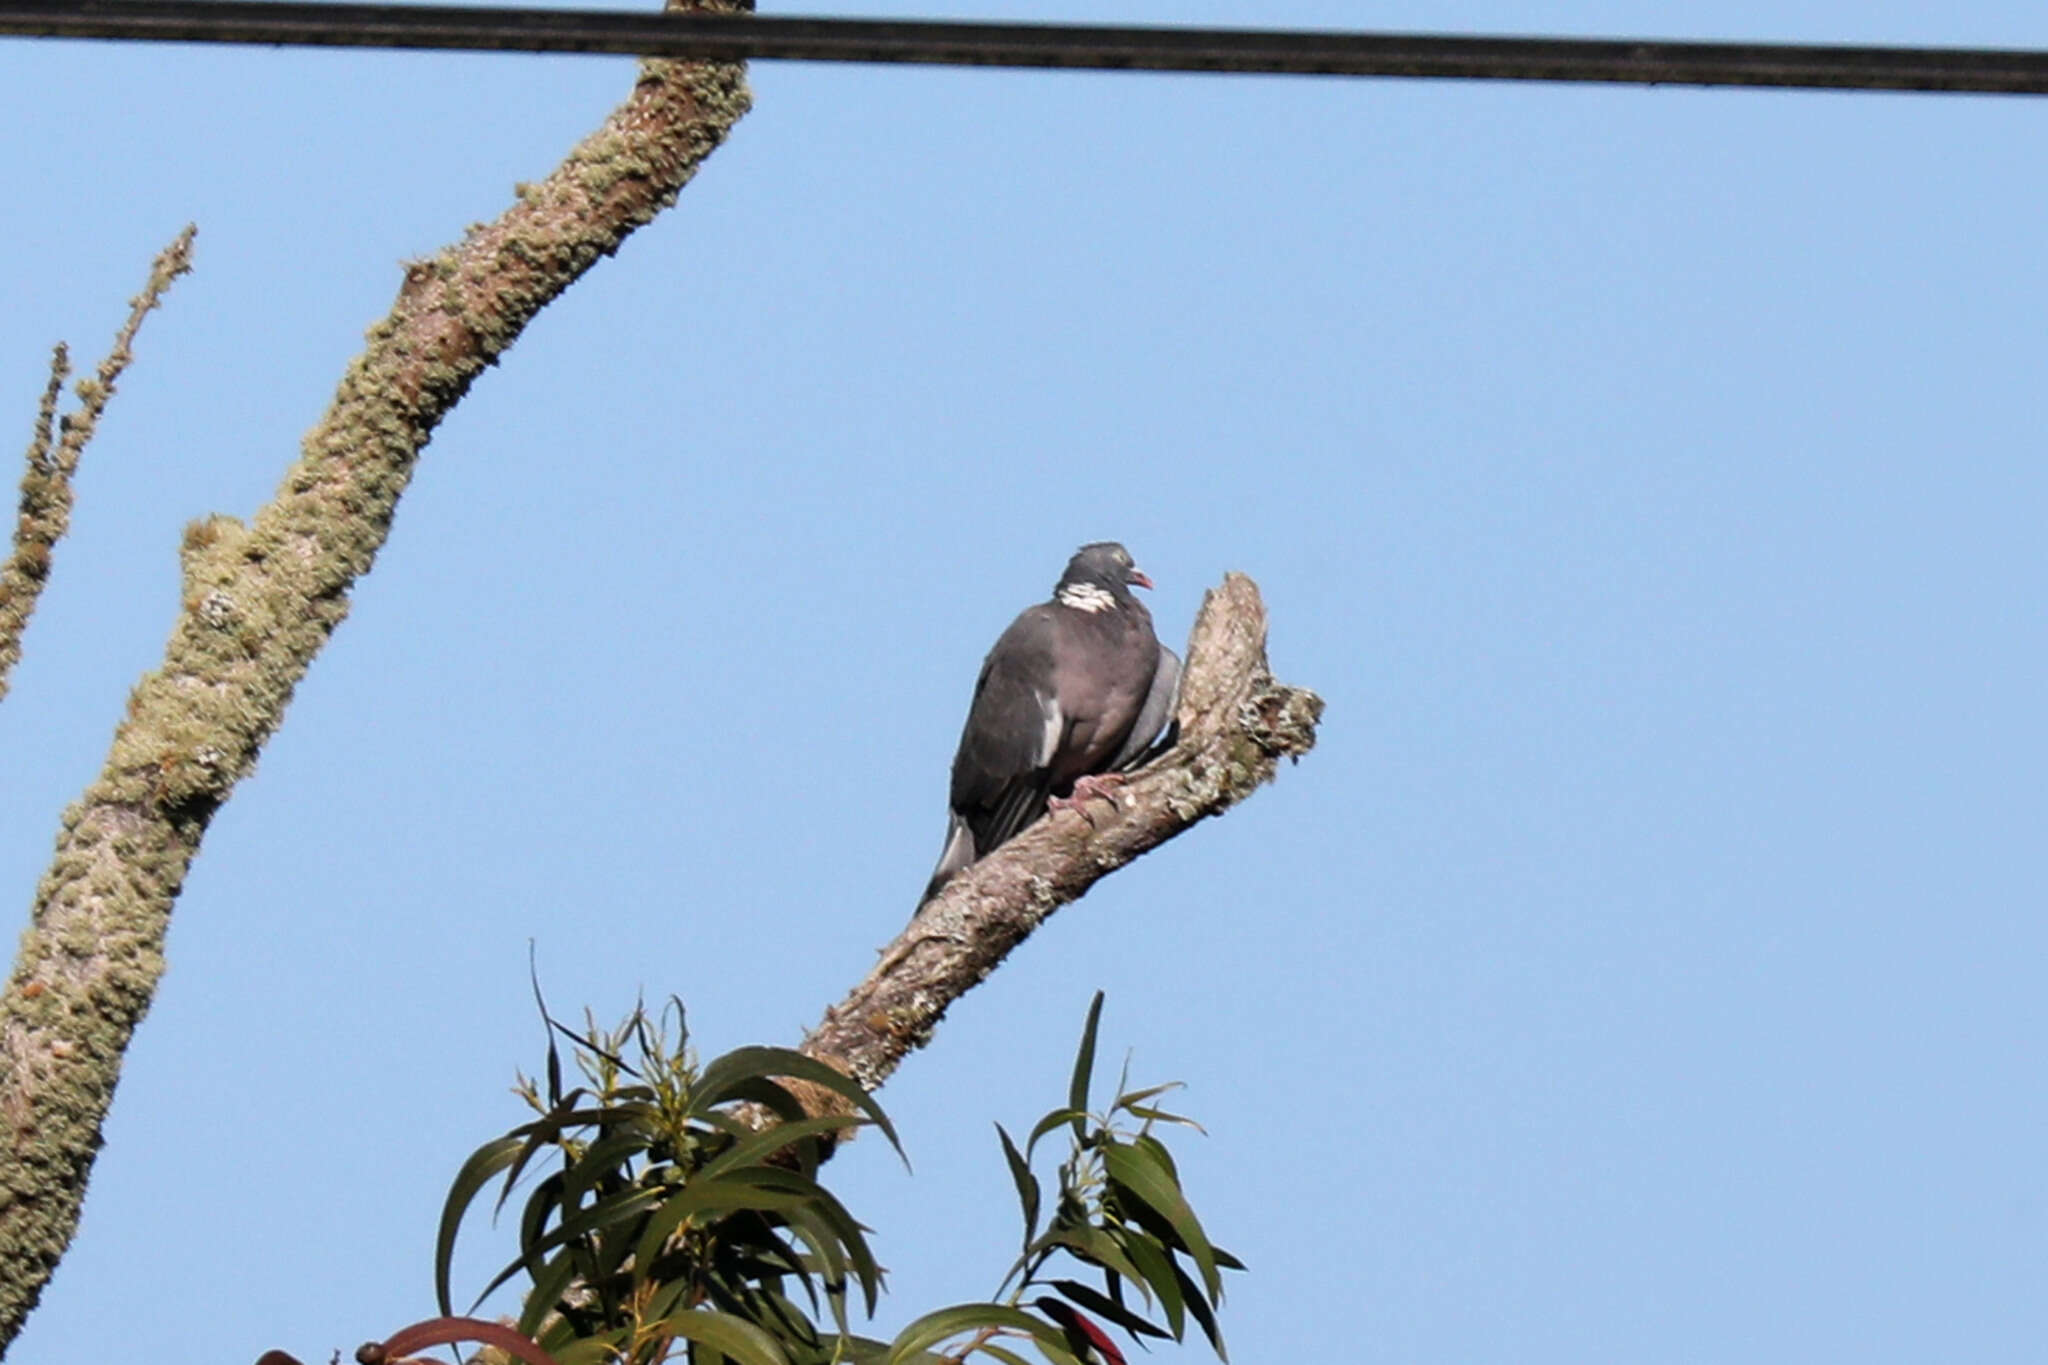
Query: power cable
{"points": [[736, 37]]}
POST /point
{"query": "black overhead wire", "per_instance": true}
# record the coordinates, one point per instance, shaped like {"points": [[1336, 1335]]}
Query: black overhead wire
{"points": [[736, 37]]}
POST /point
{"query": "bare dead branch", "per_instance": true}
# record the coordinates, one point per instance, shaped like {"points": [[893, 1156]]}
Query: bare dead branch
{"points": [[1236, 724], [259, 601], [55, 449]]}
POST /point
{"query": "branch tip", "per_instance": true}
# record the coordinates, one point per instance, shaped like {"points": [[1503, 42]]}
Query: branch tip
{"points": [[1236, 723]]}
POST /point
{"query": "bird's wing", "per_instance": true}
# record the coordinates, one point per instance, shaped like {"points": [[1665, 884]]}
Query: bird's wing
{"points": [[1015, 728], [1158, 719]]}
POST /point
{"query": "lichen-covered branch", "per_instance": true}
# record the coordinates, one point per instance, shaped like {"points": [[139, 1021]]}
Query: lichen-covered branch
{"points": [[259, 601], [54, 451], [1236, 724]]}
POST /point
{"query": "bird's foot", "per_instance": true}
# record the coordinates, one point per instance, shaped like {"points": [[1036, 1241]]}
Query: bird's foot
{"points": [[1095, 785]]}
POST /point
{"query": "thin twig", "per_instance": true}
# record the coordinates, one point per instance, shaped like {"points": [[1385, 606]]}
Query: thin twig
{"points": [[54, 452]]}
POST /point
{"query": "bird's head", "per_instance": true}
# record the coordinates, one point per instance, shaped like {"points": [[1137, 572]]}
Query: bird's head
{"points": [[1102, 568]]}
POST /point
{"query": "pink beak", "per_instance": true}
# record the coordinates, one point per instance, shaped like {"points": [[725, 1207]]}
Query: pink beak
{"points": [[1138, 577]]}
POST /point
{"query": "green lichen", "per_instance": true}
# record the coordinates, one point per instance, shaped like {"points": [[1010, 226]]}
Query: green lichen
{"points": [[259, 602]]}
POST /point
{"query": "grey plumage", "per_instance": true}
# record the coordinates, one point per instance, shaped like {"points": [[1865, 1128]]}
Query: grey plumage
{"points": [[1158, 723], [1077, 686]]}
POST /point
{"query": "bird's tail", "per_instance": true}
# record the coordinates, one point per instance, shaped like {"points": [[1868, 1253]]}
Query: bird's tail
{"points": [[959, 852]]}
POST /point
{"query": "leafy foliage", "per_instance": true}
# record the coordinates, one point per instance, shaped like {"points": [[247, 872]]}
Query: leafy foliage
{"points": [[1117, 1210], [677, 1216], [667, 1221]]}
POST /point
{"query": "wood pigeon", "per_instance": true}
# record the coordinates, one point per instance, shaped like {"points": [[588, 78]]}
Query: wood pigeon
{"points": [[1073, 695]]}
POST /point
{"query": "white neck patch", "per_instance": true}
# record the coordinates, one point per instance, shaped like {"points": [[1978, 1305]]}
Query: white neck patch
{"points": [[1085, 597]]}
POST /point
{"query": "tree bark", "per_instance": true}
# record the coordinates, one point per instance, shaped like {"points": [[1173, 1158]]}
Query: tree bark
{"points": [[1236, 724], [259, 601]]}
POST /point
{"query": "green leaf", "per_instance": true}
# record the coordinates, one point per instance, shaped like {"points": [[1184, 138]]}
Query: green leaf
{"points": [[1136, 1097], [476, 1173], [722, 1332], [755, 1090], [1202, 1313], [1055, 1119], [1027, 1183], [670, 1298], [1151, 1115], [1095, 1247], [856, 1257], [828, 1261], [533, 1219], [946, 1323], [602, 1349], [1084, 1066], [546, 1131], [761, 1304], [1137, 1172], [618, 1208], [989, 1348], [606, 1156], [554, 1055], [714, 1084], [548, 1287], [702, 1196], [757, 1146], [868, 1351], [1157, 1151], [1156, 1266], [1095, 1301], [843, 1224], [675, 1002]]}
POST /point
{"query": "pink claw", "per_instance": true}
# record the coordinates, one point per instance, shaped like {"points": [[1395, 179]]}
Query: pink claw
{"points": [[1095, 786]]}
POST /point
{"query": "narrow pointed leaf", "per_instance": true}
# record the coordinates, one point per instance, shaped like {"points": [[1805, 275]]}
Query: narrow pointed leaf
{"points": [[947, 1323], [828, 1262], [546, 1131], [672, 1298], [1199, 1308], [1027, 1183], [597, 1350], [868, 1351], [1156, 1149], [554, 1067], [1155, 1265], [1135, 1097], [541, 1205], [1055, 1119], [1151, 1115], [1094, 1246], [702, 1196], [1084, 1065], [768, 1062], [1095, 1301], [734, 1337], [755, 1090], [758, 1146], [607, 1157], [1137, 1172], [548, 1286], [849, 1231], [476, 1173], [604, 1213]]}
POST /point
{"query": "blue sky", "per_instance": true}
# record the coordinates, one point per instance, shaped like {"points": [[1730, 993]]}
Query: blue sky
{"points": [[1647, 964]]}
